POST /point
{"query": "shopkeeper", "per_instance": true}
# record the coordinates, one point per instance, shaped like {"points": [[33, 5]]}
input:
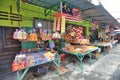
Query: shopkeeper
{"points": [[112, 34], [47, 45]]}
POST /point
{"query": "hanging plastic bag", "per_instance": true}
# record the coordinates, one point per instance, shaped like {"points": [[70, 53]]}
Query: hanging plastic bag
{"points": [[15, 34], [35, 37], [51, 44], [56, 35], [24, 35], [19, 35]]}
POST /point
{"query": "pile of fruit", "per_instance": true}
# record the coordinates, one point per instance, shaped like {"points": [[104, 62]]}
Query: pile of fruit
{"points": [[84, 41], [74, 34], [49, 55], [87, 48], [73, 49], [77, 49], [22, 61], [19, 62], [91, 47]]}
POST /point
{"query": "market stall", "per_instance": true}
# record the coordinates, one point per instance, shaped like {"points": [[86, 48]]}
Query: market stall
{"points": [[106, 38], [114, 43], [23, 62], [34, 52], [79, 52], [74, 42], [39, 25], [77, 43], [105, 45]]}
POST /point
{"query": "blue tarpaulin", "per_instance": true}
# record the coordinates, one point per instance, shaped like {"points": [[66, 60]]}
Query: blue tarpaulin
{"points": [[117, 32]]}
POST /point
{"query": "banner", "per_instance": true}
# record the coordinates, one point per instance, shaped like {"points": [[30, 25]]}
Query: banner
{"points": [[72, 14], [107, 28], [58, 24], [67, 9], [94, 23], [63, 24], [54, 25], [77, 15]]}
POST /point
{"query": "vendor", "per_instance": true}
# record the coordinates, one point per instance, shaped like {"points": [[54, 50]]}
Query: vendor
{"points": [[112, 34]]}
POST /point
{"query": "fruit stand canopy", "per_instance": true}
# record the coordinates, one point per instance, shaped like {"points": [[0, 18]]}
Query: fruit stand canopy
{"points": [[100, 14], [52, 4], [89, 10]]}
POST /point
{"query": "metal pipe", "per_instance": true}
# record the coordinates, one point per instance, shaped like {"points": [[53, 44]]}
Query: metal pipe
{"points": [[30, 10], [61, 6]]}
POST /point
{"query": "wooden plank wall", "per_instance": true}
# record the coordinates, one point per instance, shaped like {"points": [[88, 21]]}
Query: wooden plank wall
{"points": [[8, 49]]}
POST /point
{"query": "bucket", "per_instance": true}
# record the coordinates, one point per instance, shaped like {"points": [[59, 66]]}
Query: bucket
{"points": [[97, 55], [62, 57]]}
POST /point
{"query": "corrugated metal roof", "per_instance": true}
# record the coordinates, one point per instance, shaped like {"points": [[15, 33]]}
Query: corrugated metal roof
{"points": [[100, 14], [88, 9], [107, 16], [81, 4]]}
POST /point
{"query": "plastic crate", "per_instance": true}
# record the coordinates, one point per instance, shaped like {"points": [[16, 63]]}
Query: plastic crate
{"points": [[42, 70]]}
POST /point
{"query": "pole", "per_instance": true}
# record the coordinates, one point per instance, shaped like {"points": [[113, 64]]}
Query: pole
{"points": [[61, 6]]}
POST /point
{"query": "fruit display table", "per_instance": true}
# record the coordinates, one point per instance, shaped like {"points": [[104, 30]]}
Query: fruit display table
{"points": [[80, 55], [78, 51], [114, 43], [23, 62], [105, 45]]}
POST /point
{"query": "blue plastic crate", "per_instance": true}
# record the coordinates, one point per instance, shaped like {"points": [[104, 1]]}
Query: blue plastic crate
{"points": [[42, 70]]}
